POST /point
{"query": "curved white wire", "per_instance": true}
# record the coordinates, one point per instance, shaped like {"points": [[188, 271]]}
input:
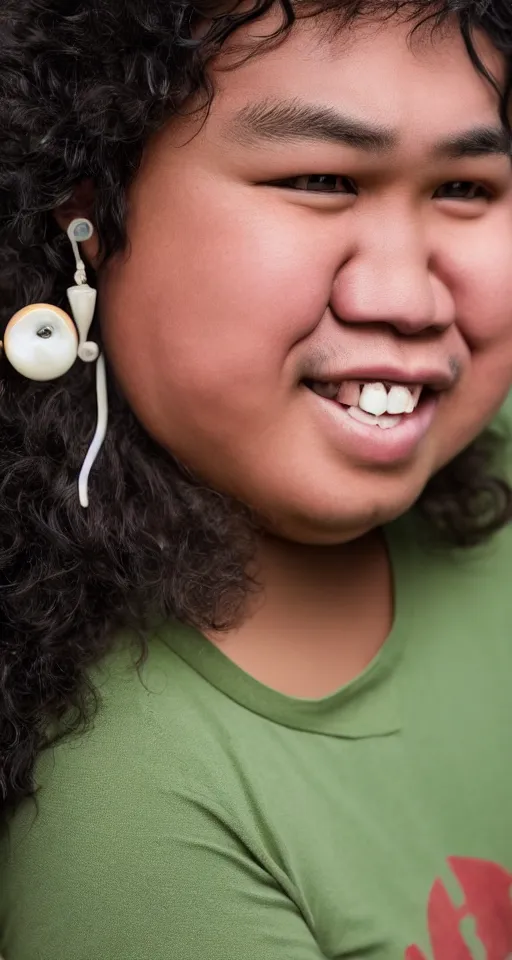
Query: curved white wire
{"points": [[100, 432]]}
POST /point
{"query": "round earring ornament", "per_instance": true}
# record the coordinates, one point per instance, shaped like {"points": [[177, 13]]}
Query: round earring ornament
{"points": [[42, 343]]}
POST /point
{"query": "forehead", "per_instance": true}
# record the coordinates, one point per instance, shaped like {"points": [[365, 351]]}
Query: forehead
{"points": [[418, 82]]}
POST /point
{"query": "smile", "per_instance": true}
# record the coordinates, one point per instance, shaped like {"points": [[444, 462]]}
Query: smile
{"points": [[378, 422], [375, 404]]}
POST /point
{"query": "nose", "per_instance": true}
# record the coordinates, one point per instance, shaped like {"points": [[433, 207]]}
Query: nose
{"points": [[391, 278]]}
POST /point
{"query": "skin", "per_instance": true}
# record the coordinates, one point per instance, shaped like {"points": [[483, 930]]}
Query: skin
{"points": [[235, 290]]}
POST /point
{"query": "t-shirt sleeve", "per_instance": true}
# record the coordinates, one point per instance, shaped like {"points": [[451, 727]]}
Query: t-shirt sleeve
{"points": [[115, 867]]}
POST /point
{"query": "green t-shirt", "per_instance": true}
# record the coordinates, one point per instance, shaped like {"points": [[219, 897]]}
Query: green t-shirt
{"points": [[207, 817]]}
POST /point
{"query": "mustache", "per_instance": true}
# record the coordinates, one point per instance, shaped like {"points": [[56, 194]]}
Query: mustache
{"points": [[329, 362]]}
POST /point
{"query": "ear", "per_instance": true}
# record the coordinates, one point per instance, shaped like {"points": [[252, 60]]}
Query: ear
{"points": [[81, 204]]}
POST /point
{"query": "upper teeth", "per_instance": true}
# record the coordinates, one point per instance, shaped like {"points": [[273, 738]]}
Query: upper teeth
{"points": [[374, 398]]}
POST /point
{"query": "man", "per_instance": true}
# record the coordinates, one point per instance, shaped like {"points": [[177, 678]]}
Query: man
{"points": [[305, 303]]}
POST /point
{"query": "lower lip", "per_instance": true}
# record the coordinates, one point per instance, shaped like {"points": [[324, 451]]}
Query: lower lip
{"points": [[372, 444]]}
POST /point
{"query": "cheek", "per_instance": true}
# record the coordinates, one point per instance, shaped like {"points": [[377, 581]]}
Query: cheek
{"points": [[481, 282], [483, 292], [477, 272], [213, 306]]}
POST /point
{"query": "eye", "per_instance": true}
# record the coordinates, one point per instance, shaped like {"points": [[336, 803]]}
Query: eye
{"points": [[318, 183], [462, 190]]}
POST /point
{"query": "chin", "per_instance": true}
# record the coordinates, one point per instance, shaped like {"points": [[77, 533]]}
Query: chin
{"points": [[342, 520]]}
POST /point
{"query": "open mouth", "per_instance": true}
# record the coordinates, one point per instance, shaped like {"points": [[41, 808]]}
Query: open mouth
{"points": [[379, 404]]}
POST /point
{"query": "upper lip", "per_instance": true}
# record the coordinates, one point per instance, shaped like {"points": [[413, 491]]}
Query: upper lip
{"points": [[433, 377]]}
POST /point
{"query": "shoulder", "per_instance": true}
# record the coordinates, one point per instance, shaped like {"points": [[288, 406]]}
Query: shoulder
{"points": [[126, 814], [147, 744], [149, 727]]}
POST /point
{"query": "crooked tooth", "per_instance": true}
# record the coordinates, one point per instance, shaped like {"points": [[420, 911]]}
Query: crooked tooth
{"points": [[374, 399], [357, 414], [416, 394], [399, 400], [349, 393], [385, 422]]}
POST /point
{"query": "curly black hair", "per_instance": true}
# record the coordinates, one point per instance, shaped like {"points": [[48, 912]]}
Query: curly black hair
{"points": [[83, 84]]}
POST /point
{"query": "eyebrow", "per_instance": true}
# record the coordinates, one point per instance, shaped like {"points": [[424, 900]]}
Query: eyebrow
{"points": [[480, 141], [293, 121]]}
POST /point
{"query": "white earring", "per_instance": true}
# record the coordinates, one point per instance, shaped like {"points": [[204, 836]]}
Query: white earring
{"points": [[42, 343], [82, 298]]}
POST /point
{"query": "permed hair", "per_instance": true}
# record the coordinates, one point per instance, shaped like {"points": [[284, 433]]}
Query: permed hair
{"points": [[83, 84]]}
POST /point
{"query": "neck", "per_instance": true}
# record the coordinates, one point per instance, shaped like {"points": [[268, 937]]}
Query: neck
{"points": [[320, 617]]}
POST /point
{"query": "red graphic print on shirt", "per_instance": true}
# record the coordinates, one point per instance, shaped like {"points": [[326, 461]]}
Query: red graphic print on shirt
{"points": [[487, 890]]}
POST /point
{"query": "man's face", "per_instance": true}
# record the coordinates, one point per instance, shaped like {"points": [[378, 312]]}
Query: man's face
{"points": [[343, 216]]}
